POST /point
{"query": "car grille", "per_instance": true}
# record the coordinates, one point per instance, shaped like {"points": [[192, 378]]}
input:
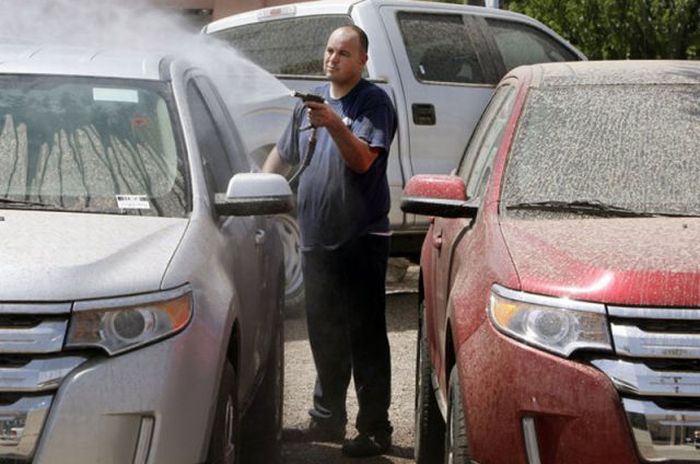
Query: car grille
{"points": [[32, 366], [657, 373]]}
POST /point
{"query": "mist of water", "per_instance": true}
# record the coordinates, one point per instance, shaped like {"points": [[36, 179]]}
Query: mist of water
{"points": [[136, 25]]}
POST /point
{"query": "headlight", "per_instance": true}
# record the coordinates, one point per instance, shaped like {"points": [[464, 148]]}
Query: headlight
{"points": [[120, 324], [559, 325]]}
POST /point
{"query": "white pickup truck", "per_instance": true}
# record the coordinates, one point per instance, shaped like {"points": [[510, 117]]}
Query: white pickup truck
{"points": [[438, 61]]}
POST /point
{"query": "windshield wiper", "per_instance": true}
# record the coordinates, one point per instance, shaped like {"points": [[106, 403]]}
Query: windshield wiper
{"points": [[15, 202], [594, 208], [672, 214], [55, 207]]}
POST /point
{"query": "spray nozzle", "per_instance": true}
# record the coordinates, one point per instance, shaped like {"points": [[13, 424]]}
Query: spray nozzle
{"points": [[308, 97]]}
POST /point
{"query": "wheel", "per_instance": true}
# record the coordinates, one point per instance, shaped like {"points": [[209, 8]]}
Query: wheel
{"points": [[225, 438], [262, 423], [456, 443], [429, 425], [293, 277]]}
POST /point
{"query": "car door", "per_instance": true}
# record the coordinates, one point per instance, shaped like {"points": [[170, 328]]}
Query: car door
{"points": [[243, 238], [447, 78], [446, 234]]}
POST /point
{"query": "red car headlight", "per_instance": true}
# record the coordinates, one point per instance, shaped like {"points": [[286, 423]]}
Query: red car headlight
{"points": [[559, 325]]}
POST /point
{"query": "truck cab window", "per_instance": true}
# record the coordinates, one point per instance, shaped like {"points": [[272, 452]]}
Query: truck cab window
{"points": [[520, 44], [440, 49], [286, 46]]}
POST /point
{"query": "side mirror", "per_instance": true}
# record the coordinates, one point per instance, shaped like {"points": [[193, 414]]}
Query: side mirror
{"points": [[432, 195], [255, 194]]}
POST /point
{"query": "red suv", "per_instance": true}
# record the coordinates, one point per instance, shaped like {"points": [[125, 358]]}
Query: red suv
{"points": [[560, 277]]}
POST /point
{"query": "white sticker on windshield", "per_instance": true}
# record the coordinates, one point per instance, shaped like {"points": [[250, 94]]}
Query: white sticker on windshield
{"points": [[133, 202], [115, 95]]}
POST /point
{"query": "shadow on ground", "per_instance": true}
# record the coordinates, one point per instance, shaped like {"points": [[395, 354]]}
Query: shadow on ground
{"points": [[324, 453]]}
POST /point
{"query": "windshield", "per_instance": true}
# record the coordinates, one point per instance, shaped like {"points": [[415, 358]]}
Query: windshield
{"points": [[86, 144], [623, 147]]}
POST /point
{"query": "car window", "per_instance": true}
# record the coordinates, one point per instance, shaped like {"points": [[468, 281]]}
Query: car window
{"points": [[632, 146], [467, 161], [287, 46], [88, 144], [489, 143], [217, 168], [440, 48], [234, 147], [521, 44]]}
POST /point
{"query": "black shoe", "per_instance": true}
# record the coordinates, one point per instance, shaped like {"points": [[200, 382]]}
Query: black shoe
{"points": [[365, 445], [317, 431]]}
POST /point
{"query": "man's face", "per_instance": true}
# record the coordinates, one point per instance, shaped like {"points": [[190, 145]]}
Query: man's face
{"points": [[344, 58]]}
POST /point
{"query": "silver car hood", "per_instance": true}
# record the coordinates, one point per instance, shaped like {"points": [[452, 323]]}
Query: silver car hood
{"points": [[59, 256]]}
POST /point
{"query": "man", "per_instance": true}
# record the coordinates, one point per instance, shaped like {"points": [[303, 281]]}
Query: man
{"points": [[343, 205]]}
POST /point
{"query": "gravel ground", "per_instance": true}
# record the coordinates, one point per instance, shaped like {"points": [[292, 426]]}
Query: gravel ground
{"points": [[300, 375]]}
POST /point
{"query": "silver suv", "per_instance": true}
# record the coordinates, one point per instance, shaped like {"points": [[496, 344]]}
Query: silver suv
{"points": [[142, 279]]}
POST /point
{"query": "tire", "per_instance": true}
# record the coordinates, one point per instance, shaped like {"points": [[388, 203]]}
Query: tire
{"points": [[456, 442], [262, 423], [429, 425], [293, 276], [224, 446]]}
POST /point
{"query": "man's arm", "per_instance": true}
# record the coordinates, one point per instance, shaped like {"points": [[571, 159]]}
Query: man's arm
{"points": [[357, 153], [275, 164]]}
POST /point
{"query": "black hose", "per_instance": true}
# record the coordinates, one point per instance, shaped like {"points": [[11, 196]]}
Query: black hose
{"points": [[311, 147]]}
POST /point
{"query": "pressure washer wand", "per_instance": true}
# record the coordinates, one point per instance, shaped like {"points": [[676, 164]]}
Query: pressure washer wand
{"points": [[311, 147]]}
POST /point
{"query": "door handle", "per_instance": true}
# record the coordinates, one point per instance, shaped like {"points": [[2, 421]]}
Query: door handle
{"points": [[437, 240], [259, 237], [423, 114]]}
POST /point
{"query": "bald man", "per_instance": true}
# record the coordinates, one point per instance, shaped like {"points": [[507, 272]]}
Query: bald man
{"points": [[343, 205]]}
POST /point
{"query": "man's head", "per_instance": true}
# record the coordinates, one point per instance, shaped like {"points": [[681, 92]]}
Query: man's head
{"points": [[345, 56]]}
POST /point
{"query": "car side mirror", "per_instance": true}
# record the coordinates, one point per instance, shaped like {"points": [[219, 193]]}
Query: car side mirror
{"points": [[437, 195], [255, 194]]}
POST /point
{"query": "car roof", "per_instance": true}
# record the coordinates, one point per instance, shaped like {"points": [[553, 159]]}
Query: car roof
{"points": [[81, 61], [611, 73], [327, 7]]}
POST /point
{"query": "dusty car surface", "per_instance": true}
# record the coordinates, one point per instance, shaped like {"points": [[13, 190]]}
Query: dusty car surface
{"points": [[560, 282], [142, 282]]}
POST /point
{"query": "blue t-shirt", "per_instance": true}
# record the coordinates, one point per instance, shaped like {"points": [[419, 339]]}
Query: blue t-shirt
{"points": [[334, 203]]}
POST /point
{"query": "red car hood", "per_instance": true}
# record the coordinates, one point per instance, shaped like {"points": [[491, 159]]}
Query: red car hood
{"points": [[625, 261]]}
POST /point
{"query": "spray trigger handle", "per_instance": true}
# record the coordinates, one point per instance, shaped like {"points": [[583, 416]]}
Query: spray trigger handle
{"points": [[308, 97]]}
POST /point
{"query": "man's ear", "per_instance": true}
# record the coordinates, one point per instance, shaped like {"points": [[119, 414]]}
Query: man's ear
{"points": [[363, 58]]}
